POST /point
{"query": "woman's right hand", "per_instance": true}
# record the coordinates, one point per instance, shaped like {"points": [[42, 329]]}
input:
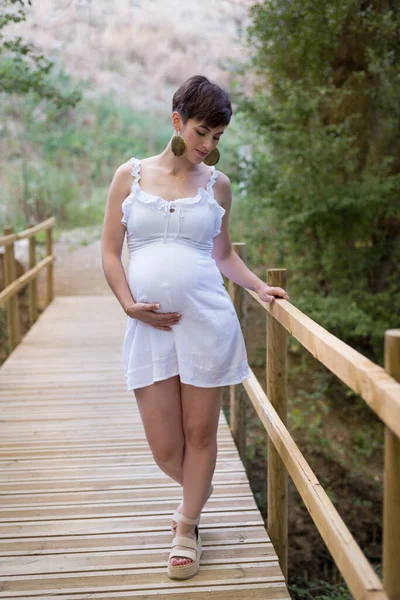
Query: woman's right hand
{"points": [[146, 312]]}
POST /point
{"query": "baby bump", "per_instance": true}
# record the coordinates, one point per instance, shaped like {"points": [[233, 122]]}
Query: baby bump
{"points": [[170, 274]]}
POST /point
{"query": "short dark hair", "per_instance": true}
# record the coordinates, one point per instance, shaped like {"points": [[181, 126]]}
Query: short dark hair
{"points": [[198, 98]]}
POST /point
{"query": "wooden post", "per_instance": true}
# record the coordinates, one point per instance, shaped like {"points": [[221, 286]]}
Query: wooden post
{"points": [[277, 393], [391, 494], [237, 394], [33, 283], [50, 279], [10, 275]]}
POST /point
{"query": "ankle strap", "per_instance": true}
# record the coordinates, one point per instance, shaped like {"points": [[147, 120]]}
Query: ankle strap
{"points": [[188, 520]]}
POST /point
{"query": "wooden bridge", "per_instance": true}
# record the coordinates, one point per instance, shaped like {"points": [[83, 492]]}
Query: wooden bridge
{"points": [[85, 511]]}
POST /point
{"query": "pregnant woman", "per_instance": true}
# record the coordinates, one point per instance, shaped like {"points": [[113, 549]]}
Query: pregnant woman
{"points": [[183, 340]]}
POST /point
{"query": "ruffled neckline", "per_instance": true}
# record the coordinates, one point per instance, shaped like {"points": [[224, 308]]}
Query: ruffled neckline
{"points": [[187, 200], [160, 202]]}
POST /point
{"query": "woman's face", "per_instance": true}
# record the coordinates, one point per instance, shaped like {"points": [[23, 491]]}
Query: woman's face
{"points": [[200, 139]]}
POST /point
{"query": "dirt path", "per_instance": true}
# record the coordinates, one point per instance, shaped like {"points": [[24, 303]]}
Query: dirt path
{"points": [[77, 268]]}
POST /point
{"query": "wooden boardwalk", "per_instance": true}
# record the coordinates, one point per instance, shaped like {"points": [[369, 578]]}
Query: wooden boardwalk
{"points": [[84, 510]]}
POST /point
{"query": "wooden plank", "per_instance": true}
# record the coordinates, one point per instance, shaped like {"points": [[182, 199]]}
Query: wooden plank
{"points": [[239, 500], [139, 495], [140, 578], [96, 483], [84, 510], [86, 562], [129, 524], [116, 509], [258, 591], [254, 591], [59, 544], [143, 471], [139, 458], [82, 450], [76, 437]]}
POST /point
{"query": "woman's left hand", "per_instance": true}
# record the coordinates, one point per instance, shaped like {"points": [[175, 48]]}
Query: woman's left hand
{"points": [[267, 293]]}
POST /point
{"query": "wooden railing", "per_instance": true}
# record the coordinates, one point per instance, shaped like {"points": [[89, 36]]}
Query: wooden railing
{"points": [[377, 386], [8, 296]]}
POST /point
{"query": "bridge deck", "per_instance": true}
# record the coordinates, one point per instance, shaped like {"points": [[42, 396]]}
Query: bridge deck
{"points": [[84, 510]]}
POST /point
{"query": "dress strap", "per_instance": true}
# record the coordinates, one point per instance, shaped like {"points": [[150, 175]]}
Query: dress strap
{"points": [[211, 181], [135, 172]]}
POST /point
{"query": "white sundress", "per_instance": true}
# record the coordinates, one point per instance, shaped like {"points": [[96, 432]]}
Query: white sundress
{"points": [[170, 263]]}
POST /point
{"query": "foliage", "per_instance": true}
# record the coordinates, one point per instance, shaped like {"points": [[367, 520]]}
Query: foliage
{"points": [[325, 158], [320, 590], [61, 161], [30, 91], [22, 70]]}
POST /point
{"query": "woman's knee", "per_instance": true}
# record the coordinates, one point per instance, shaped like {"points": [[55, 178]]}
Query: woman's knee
{"points": [[199, 436], [200, 415], [167, 451]]}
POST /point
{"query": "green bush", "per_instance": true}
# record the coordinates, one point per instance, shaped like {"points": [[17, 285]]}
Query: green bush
{"points": [[323, 119]]}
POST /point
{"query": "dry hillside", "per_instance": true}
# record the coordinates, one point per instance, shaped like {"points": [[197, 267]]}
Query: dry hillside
{"points": [[139, 50]]}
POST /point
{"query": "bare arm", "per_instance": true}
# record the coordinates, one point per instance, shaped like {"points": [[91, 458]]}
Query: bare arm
{"points": [[113, 234], [111, 249], [228, 261]]}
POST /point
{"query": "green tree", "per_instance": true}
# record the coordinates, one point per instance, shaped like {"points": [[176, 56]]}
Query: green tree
{"points": [[22, 69], [325, 167], [30, 90]]}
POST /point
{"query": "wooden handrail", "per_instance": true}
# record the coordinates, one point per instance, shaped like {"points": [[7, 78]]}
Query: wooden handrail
{"points": [[379, 389], [8, 239], [356, 570], [13, 284], [17, 285], [370, 381]]}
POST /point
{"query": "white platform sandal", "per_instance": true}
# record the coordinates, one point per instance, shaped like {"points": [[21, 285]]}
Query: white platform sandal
{"points": [[192, 550], [177, 514]]}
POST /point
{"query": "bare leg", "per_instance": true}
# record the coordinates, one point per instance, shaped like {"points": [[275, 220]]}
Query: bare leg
{"points": [[160, 410], [200, 415]]}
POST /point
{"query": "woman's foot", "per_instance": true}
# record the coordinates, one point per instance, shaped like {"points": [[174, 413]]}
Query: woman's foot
{"points": [[188, 531], [180, 508], [184, 558]]}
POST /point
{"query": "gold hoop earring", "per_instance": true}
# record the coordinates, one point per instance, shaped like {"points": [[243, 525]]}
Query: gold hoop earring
{"points": [[178, 144], [212, 158]]}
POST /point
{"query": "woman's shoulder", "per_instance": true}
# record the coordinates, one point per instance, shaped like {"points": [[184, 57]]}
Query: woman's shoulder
{"points": [[222, 179], [222, 182], [125, 168], [130, 164], [223, 189], [132, 167], [125, 171]]}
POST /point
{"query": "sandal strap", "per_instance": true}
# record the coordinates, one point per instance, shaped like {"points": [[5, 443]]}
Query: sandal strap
{"points": [[178, 517], [182, 540], [175, 516], [183, 553], [188, 520]]}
